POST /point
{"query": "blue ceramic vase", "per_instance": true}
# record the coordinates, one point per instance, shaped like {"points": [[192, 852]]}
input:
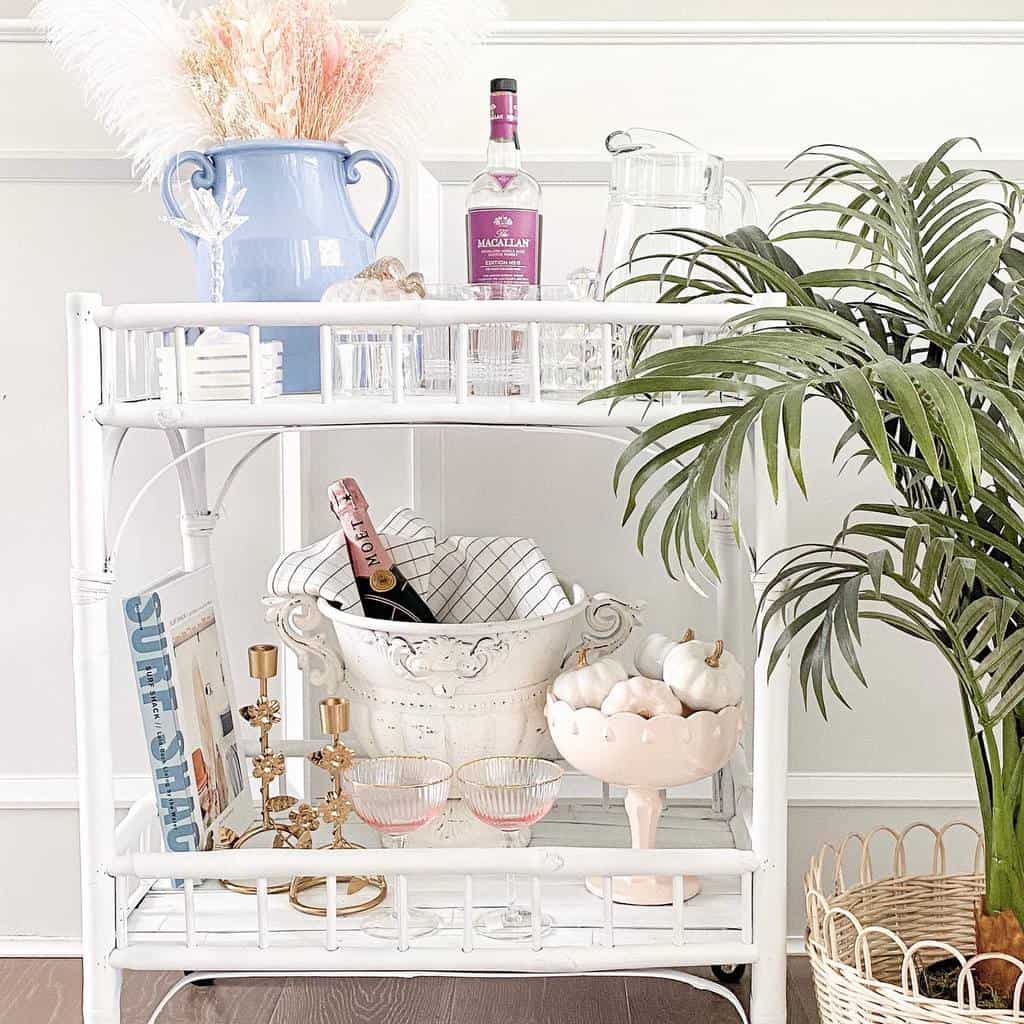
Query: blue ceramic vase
{"points": [[302, 233]]}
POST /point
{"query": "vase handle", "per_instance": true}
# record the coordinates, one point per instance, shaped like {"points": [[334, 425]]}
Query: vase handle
{"points": [[352, 177], [303, 630], [203, 176]]}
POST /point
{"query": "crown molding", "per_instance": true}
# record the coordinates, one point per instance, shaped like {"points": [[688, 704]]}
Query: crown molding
{"points": [[697, 33], [755, 33]]}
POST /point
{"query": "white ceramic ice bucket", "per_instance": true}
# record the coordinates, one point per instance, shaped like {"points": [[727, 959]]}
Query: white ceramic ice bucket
{"points": [[453, 691]]}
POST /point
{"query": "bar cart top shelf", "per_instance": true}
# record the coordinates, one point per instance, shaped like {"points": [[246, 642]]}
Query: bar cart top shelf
{"points": [[325, 408]]}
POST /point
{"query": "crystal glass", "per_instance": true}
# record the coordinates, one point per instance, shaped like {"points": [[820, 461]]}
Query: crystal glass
{"points": [[498, 353], [510, 793], [570, 354], [396, 796]]}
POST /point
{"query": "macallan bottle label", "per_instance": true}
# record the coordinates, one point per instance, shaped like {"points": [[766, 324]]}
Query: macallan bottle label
{"points": [[504, 246], [504, 115]]}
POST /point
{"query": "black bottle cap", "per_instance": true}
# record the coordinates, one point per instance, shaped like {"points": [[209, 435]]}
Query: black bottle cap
{"points": [[503, 85]]}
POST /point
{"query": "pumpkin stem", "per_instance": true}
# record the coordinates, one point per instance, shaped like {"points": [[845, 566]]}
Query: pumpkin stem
{"points": [[581, 658], [687, 636], [715, 656]]}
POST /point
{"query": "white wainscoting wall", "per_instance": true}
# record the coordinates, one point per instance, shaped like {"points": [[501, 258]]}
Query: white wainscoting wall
{"points": [[73, 219]]}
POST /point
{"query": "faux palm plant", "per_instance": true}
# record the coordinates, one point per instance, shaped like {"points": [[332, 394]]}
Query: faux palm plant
{"points": [[917, 340]]}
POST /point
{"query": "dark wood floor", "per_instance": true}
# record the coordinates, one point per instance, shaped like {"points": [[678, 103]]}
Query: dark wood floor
{"points": [[47, 992]]}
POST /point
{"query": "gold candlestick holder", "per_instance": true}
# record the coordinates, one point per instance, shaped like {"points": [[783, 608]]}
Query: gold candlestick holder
{"points": [[303, 820], [335, 810]]}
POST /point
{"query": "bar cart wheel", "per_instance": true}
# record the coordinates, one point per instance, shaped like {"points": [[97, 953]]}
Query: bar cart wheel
{"points": [[729, 974]]}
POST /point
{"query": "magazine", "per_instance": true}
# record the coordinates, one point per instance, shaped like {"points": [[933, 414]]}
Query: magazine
{"points": [[177, 650]]}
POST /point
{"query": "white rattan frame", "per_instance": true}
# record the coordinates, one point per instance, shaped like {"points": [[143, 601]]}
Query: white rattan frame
{"points": [[119, 863]]}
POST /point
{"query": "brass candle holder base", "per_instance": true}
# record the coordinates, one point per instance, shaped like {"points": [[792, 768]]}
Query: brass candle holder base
{"points": [[303, 884], [237, 842]]}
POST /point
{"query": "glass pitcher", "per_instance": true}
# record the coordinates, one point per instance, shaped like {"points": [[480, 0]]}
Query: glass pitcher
{"points": [[659, 181]]}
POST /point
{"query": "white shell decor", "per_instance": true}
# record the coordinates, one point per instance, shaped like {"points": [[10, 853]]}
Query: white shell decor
{"points": [[587, 685], [654, 649], [641, 696], [704, 676], [646, 755]]}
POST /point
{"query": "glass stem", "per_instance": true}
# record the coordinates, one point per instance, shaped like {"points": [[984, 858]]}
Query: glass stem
{"points": [[401, 901], [217, 269], [511, 894], [398, 843]]}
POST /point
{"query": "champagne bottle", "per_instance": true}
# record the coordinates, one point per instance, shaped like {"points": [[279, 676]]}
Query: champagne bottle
{"points": [[384, 592]]}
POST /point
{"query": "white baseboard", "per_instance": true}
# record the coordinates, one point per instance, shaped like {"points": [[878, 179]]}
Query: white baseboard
{"points": [[39, 947], [806, 789]]}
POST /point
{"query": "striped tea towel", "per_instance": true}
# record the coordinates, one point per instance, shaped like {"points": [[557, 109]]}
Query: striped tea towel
{"points": [[462, 579]]}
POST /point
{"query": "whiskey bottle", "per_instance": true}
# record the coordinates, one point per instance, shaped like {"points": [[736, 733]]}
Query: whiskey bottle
{"points": [[503, 207]]}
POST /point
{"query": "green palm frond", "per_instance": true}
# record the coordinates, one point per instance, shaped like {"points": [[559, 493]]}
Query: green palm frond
{"points": [[917, 339]]}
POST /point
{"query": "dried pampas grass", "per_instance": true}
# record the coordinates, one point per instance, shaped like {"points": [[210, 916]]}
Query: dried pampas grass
{"points": [[126, 56], [161, 81], [431, 42]]}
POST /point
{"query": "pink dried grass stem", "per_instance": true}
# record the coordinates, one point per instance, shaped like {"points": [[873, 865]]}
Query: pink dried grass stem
{"points": [[286, 69]]}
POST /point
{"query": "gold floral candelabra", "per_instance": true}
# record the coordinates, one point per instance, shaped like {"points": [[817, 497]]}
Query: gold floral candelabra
{"points": [[334, 809], [303, 820]]}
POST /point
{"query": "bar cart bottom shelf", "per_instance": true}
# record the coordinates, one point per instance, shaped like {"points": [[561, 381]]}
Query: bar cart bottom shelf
{"points": [[224, 933]]}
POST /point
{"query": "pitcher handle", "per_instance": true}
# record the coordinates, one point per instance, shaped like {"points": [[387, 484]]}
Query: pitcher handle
{"points": [[203, 176], [609, 621], [750, 213], [352, 177], [303, 630]]}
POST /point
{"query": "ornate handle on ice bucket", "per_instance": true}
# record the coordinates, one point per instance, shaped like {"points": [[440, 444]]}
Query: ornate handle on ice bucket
{"points": [[352, 177], [203, 176], [302, 629], [609, 621]]}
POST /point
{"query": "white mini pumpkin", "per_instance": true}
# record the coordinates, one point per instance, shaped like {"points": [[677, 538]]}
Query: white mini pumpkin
{"points": [[586, 686], [654, 649], [642, 696], [705, 677]]}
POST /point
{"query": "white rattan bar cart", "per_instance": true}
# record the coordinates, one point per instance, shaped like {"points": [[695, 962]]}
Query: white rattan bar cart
{"points": [[134, 920]]}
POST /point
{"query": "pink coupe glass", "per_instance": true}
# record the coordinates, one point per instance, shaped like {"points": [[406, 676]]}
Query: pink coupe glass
{"points": [[396, 796], [510, 793]]}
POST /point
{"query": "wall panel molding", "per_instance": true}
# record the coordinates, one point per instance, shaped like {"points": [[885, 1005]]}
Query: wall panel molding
{"points": [[699, 33], [587, 169], [60, 792], [806, 789]]}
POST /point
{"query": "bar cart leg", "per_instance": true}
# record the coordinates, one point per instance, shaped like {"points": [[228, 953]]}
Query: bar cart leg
{"points": [[724, 550], [90, 594], [769, 818]]}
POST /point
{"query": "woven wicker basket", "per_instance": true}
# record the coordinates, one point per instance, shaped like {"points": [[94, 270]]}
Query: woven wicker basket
{"points": [[867, 941]]}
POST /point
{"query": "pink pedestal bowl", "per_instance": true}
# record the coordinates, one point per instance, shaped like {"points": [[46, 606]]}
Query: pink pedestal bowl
{"points": [[646, 755]]}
